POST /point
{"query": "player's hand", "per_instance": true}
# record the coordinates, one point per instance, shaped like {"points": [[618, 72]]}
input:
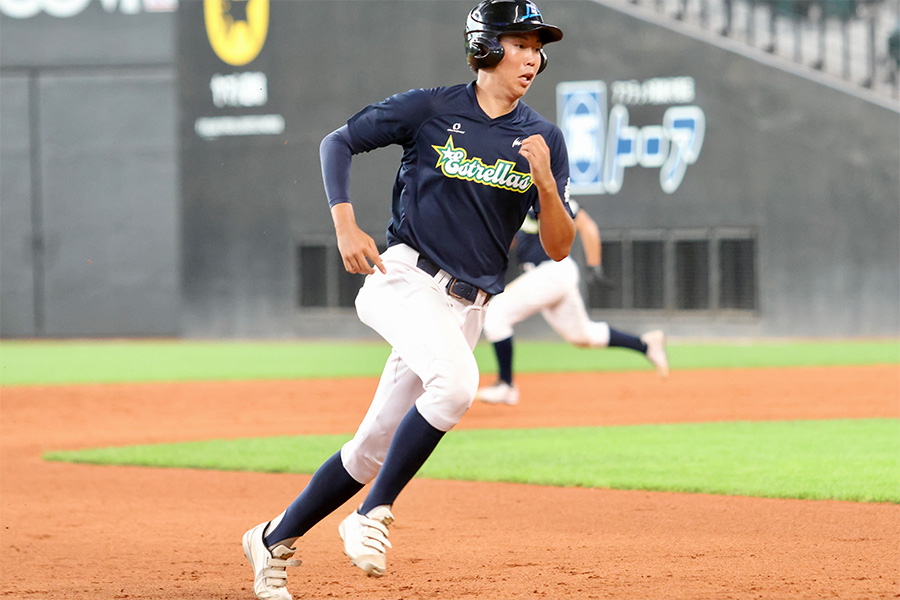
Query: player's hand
{"points": [[357, 248], [596, 275], [536, 151]]}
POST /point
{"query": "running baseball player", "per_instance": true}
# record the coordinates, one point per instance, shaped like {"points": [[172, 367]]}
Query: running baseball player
{"points": [[552, 288], [475, 160]]}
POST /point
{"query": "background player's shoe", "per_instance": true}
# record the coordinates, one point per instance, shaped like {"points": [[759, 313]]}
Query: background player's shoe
{"points": [[365, 538], [269, 576], [499, 393], [656, 351]]}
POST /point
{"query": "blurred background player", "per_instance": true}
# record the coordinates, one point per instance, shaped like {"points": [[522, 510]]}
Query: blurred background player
{"points": [[552, 288]]}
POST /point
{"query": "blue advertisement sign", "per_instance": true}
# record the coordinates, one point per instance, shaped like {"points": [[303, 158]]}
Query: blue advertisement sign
{"points": [[603, 143]]}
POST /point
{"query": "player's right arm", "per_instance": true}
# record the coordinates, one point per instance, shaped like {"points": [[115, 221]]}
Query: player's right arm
{"points": [[357, 248]]}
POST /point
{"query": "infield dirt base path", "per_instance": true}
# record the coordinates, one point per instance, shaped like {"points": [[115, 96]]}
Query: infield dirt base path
{"points": [[86, 532]]}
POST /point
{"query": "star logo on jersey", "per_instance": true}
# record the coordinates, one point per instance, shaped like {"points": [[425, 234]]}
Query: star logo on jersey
{"points": [[454, 163], [448, 153]]}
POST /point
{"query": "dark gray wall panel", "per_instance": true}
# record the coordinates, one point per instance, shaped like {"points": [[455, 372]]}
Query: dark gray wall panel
{"points": [[17, 309], [93, 36], [109, 190]]}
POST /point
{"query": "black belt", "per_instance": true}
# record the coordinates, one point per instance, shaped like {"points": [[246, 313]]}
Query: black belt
{"points": [[455, 287]]}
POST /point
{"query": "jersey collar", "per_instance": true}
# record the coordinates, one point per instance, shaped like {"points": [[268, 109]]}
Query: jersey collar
{"points": [[513, 116]]}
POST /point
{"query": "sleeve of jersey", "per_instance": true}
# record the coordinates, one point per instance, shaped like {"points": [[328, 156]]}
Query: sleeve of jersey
{"points": [[392, 121], [375, 126], [335, 153]]}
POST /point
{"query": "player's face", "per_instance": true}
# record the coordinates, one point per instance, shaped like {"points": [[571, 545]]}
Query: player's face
{"points": [[521, 61]]}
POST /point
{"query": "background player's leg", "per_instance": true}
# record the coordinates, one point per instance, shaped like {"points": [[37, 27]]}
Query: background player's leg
{"points": [[523, 297], [622, 339], [502, 391], [504, 352], [569, 318]]}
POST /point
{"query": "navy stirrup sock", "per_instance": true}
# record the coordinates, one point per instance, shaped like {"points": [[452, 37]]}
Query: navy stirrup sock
{"points": [[330, 486], [619, 339], [504, 351], [413, 443]]}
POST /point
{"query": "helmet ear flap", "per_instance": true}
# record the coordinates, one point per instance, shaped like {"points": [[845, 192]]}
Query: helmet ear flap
{"points": [[543, 61], [483, 52]]}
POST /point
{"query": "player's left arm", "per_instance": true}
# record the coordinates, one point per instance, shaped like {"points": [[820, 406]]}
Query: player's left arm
{"points": [[593, 248], [557, 227], [590, 237], [357, 248]]}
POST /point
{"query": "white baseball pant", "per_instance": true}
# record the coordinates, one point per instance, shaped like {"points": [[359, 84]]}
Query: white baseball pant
{"points": [[550, 288], [431, 364]]}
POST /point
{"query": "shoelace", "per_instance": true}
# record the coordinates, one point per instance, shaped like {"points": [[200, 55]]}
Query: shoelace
{"points": [[375, 533], [275, 573]]}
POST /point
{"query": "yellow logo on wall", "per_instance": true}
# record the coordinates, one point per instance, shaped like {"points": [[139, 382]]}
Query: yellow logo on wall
{"points": [[236, 28]]}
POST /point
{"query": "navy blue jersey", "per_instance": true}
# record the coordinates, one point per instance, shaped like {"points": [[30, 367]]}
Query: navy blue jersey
{"points": [[528, 240], [462, 189]]}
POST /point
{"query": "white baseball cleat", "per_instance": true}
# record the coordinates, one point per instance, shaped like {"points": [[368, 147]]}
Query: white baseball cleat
{"points": [[499, 393], [269, 575], [366, 537], [656, 351]]}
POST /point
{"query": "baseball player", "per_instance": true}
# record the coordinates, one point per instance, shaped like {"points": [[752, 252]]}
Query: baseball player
{"points": [[475, 160], [552, 288]]}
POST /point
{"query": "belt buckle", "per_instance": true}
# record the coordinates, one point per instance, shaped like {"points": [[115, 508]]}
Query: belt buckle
{"points": [[452, 284]]}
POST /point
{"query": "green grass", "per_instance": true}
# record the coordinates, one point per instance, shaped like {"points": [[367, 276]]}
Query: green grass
{"points": [[119, 361], [79, 361], [854, 460]]}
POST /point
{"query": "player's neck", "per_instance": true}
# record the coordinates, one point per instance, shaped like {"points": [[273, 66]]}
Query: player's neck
{"points": [[493, 101]]}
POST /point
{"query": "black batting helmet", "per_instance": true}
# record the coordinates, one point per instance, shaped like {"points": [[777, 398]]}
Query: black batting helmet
{"points": [[492, 18]]}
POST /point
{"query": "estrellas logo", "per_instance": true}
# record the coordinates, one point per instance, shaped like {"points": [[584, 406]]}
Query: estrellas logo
{"points": [[502, 174]]}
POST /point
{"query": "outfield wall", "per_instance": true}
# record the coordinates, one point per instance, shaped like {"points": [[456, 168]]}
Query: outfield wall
{"points": [[89, 234], [786, 223]]}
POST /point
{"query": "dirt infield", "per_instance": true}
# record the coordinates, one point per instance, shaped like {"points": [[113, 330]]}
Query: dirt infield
{"points": [[84, 532]]}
